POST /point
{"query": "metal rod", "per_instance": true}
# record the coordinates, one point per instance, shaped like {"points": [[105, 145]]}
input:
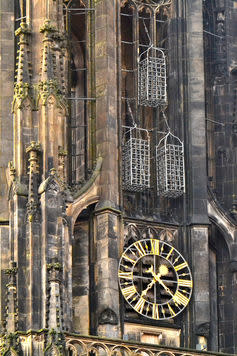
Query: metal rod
{"points": [[83, 9], [215, 122], [124, 98], [78, 13], [75, 127], [135, 127], [213, 34], [81, 98], [77, 41], [126, 42], [128, 70], [20, 18], [78, 70]]}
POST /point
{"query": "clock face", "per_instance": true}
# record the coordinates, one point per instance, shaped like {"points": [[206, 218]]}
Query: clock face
{"points": [[155, 279]]}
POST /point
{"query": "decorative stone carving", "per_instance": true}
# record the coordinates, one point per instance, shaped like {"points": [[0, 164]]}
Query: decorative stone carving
{"points": [[62, 154], [108, 316], [23, 72], [34, 151], [54, 308], [134, 232], [203, 329], [11, 319], [233, 266], [56, 344], [10, 345]]}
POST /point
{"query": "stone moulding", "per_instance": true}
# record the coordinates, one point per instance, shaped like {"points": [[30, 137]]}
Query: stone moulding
{"points": [[92, 179], [220, 216], [87, 194], [49, 88]]}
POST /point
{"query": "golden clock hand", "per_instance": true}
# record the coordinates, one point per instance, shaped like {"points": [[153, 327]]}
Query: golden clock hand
{"points": [[157, 279], [150, 285], [151, 270], [164, 286]]}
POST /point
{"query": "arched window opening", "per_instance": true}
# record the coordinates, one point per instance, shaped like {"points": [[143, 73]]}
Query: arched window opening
{"points": [[144, 58], [209, 66], [221, 301], [81, 271], [79, 15]]}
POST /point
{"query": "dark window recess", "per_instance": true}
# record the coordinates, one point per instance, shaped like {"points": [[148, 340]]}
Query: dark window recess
{"points": [[141, 26], [78, 15]]}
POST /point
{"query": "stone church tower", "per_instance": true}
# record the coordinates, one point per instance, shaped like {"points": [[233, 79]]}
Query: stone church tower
{"points": [[118, 161]]}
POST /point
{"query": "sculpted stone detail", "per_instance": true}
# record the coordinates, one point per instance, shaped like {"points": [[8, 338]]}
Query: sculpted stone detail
{"points": [[11, 319], [134, 232], [24, 70], [32, 206], [10, 345], [203, 330], [62, 156], [56, 344], [54, 307], [108, 316]]}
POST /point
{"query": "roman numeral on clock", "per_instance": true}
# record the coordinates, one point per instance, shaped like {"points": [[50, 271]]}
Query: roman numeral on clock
{"points": [[181, 266], [185, 283], [140, 305], [168, 256], [125, 275], [129, 259], [155, 247], [140, 248], [179, 298], [172, 313], [128, 292], [155, 311]]}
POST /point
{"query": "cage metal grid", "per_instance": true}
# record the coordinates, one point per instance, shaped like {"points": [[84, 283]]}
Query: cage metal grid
{"points": [[136, 159], [152, 81], [170, 166]]}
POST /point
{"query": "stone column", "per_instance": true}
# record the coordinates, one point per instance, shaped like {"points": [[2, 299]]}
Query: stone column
{"points": [[7, 45], [107, 211], [106, 272], [196, 175], [200, 299], [107, 96], [33, 236]]}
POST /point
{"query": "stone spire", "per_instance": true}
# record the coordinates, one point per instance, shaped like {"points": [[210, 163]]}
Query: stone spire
{"points": [[48, 69], [23, 71]]}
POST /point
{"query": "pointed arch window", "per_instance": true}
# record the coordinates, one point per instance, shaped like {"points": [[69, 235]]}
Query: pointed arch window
{"points": [[143, 74], [79, 16]]}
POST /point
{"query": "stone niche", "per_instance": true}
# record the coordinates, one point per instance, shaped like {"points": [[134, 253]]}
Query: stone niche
{"points": [[152, 335]]}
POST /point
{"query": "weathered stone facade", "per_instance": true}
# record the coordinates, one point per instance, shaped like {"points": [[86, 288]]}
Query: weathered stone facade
{"points": [[65, 214]]}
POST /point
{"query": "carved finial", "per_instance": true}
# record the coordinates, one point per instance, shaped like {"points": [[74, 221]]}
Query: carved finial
{"points": [[23, 65], [34, 150], [11, 307], [55, 319], [62, 154], [48, 71], [12, 171], [56, 344]]}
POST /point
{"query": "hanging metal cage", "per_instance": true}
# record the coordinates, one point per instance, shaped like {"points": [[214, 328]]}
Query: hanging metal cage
{"points": [[152, 78], [136, 159], [170, 166]]}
